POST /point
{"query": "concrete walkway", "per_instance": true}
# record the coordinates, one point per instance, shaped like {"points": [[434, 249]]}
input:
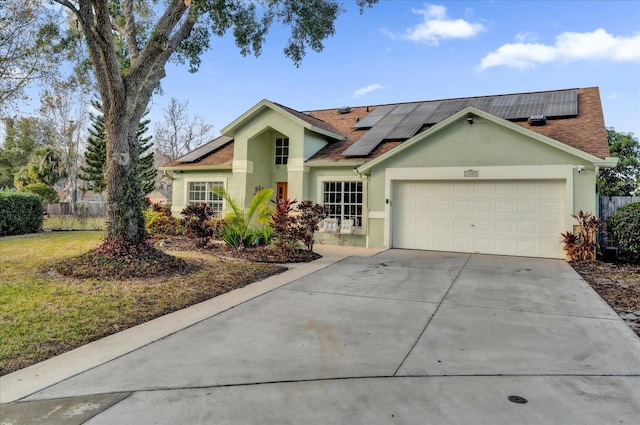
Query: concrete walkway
{"points": [[396, 337]]}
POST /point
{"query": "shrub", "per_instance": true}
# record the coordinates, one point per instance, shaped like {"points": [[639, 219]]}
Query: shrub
{"points": [[285, 225], [294, 226], [243, 227], [160, 224], [311, 214], [20, 213], [46, 192], [197, 220], [263, 235], [582, 246], [623, 231], [233, 235]]}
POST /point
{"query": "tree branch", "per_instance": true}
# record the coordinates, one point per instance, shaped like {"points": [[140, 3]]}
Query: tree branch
{"points": [[130, 29], [158, 48]]}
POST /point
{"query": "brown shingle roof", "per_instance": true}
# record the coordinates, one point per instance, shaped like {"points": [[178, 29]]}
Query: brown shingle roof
{"points": [[314, 121], [220, 156], [585, 132]]}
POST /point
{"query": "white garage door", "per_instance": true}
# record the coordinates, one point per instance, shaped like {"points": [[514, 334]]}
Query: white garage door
{"points": [[522, 218]]}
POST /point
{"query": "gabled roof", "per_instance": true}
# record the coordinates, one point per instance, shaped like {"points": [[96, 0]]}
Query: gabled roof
{"points": [[307, 121], [218, 152], [360, 134], [471, 111], [584, 131]]}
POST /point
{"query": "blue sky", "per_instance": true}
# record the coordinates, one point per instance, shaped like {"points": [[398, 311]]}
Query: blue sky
{"points": [[403, 51]]}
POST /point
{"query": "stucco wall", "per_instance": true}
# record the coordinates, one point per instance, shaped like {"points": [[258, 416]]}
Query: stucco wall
{"points": [[499, 152], [181, 180]]}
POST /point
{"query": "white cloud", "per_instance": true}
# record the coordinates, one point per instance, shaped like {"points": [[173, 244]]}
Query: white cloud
{"points": [[569, 46], [526, 37], [437, 26], [368, 89]]}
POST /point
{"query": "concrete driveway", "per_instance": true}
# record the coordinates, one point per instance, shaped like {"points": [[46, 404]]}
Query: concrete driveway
{"points": [[407, 337]]}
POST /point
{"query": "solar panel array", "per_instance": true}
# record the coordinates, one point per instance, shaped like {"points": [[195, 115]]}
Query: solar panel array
{"points": [[397, 122], [206, 149]]}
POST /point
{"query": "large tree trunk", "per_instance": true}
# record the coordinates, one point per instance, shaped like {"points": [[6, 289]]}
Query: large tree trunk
{"points": [[125, 220], [125, 95]]}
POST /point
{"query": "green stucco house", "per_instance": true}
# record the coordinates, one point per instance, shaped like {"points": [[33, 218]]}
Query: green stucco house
{"points": [[495, 174]]}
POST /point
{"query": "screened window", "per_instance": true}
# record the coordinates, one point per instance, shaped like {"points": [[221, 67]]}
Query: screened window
{"points": [[200, 192], [282, 151], [344, 200]]}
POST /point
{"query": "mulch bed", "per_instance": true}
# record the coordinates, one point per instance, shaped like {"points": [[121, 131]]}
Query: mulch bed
{"points": [[618, 285], [259, 253]]}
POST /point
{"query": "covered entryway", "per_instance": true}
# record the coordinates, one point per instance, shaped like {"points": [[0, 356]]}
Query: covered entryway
{"points": [[506, 217]]}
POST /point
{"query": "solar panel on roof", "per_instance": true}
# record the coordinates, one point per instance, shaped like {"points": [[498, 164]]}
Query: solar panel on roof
{"points": [[405, 120], [404, 109], [411, 123], [502, 101], [206, 149], [367, 142], [374, 116]]}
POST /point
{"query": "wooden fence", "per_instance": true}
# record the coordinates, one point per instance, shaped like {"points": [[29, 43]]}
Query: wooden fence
{"points": [[608, 204]]}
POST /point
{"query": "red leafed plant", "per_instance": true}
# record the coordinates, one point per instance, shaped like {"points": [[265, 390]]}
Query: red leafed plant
{"points": [[582, 246]]}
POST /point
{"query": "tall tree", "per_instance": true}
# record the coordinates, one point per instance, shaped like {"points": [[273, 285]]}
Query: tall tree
{"points": [[178, 133], [31, 47], [64, 105], [147, 170], [47, 165], [22, 136], [624, 179], [153, 32], [95, 156]]}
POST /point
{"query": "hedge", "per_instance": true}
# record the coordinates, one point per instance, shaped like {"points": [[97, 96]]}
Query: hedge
{"points": [[623, 231], [20, 213], [45, 191]]}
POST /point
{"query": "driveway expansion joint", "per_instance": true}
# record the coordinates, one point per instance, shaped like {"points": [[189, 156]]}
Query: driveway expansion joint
{"points": [[434, 313], [361, 296], [614, 317]]}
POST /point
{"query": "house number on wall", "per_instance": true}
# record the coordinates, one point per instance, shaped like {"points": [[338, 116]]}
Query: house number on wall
{"points": [[472, 173]]}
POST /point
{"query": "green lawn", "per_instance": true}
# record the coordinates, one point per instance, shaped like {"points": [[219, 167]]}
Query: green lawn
{"points": [[43, 314], [72, 222]]}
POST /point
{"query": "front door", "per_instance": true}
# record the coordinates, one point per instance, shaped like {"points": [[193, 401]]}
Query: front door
{"points": [[281, 190]]}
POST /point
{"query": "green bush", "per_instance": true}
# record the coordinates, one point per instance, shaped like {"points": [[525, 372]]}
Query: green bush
{"points": [[160, 224], [246, 227], [48, 193], [623, 231], [197, 220], [20, 213]]}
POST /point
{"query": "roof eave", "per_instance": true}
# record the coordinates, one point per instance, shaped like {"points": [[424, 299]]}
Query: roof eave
{"points": [[190, 167], [347, 163], [264, 103], [609, 162], [324, 132]]}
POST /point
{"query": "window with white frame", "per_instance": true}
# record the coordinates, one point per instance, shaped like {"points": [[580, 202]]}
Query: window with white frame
{"points": [[200, 192], [344, 199], [282, 151]]}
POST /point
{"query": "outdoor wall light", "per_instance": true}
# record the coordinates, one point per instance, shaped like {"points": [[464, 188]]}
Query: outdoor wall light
{"points": [[470, 120]]}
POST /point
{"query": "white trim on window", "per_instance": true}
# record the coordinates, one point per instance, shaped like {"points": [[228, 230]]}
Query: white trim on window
{"points": [[209, 197], [362, 217]]}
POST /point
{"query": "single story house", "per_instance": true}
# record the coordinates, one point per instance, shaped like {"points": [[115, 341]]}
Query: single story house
{"points": [[495, 174]]}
